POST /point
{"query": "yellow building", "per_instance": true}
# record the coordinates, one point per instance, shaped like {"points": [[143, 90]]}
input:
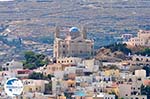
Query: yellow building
{"points": [[112, 72]]}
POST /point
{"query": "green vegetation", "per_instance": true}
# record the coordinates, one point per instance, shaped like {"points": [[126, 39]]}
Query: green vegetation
{"points": [[36, 75], [123, 48], [49, 76], [40, 76], [147, 69], [48, 88], [145, 90], [113, 93], [119, 47], [33, 61], [144, 52], [113, 67]]}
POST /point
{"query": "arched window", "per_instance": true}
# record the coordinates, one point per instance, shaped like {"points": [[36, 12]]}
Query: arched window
{"points": [[137, 59]]}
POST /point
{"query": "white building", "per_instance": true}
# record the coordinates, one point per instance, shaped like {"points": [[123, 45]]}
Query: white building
{"points": [[126, 37], [124, 90], [142, 39], [58, 86], [11, 66], [92, 64], [104, 96], [140, 73]]}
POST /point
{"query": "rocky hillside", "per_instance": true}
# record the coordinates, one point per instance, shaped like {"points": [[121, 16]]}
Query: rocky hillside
{"points": [[105, 54]]}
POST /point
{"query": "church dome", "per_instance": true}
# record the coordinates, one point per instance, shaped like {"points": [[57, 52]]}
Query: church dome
{"points": [[74, 30]]}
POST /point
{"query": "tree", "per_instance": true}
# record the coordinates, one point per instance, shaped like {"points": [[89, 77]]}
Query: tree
{"points": [[144, 52], [145, 90], [33, 61], [147, 68], [35, 75], [113, 93], [49, 76], [113, 67], [119, 47], [48, 88]]}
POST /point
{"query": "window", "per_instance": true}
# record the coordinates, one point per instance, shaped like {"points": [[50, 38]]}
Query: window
{"points": [[53, 68], [139, 79], [30, 89], [137, 59], [79, 41], [6, 68], [63, 52]]}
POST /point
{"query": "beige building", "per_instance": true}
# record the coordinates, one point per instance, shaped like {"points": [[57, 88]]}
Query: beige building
{"points": [[74, 44], [142, 39], [124, 90], [51, 68], [31, 85], [69, 60], [140, 73], [92, 64]]}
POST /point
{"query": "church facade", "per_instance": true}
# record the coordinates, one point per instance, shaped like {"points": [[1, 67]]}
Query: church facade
{"points": [[74, 44]]}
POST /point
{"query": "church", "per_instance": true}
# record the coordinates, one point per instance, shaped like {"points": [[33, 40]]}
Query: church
{"points": [[74, 44]]}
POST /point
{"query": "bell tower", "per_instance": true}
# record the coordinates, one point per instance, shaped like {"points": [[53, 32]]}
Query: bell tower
{"points": [[83, 32], [57, 31]]}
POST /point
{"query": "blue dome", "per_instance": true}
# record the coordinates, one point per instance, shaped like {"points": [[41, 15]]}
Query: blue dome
{"points": [[74, 30]]}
